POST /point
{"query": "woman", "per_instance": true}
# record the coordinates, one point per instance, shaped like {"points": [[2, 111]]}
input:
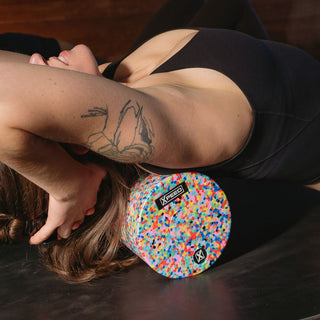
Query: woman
{"points": [[204, 99]]}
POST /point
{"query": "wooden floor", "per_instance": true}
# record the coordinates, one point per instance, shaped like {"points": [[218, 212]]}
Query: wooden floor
{"points": [[296, 22], [277, 280], [110, 27]]}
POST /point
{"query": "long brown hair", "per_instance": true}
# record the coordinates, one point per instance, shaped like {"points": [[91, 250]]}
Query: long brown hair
{"points": [[93, 250]]}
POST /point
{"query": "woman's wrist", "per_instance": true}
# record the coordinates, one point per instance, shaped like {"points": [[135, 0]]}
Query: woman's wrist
{"points": [[76, 179]]}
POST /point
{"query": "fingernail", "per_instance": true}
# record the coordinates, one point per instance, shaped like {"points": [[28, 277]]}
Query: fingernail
{"points": [[80, 149], [76, 225], [90, 212]]}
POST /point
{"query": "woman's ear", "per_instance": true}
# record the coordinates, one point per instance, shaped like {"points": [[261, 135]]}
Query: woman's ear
{"points": [[37, 58]]}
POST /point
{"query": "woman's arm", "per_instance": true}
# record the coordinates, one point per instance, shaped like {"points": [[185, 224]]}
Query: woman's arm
{"points": [[74, 107], [72, 186], [169, 124], [8, 56], [40, 106]]}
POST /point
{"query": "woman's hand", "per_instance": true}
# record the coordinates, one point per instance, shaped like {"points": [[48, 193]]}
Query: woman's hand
{"points": [[67, 214], [80, 58]]}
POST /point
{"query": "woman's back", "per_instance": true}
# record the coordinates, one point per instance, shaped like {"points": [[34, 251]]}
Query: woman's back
{"points": [[228, 75], [211, 98]]}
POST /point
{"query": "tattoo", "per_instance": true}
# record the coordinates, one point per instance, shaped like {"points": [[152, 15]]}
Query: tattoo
{"points": [[131, 124]]}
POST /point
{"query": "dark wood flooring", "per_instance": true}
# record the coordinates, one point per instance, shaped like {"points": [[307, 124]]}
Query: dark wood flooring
{"points": [[109, 27], [278, 280]]}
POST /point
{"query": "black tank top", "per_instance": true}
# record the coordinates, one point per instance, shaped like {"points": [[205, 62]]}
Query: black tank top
{"points": [[282, 86]]}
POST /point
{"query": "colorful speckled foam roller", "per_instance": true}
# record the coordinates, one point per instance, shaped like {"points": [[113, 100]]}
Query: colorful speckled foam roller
{"points": [[178, 224]]}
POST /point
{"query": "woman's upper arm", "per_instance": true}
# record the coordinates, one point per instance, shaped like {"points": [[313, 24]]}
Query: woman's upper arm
{"points": [[8, 56], [119, 122], [164, 125]]}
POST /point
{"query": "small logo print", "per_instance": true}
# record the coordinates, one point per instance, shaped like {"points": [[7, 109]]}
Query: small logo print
{"points": [[200, 256], [170, 196]]}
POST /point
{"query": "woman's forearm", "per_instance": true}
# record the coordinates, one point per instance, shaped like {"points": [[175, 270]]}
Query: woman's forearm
{"points": [[72, 186], [42, 161]]}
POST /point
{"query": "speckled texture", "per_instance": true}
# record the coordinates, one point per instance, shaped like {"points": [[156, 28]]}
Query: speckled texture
{"points": [[188, 234]]}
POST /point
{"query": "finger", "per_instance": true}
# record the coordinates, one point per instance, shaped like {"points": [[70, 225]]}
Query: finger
{"points": [[99, 170], [57, 62], [77, 224], [104, 173], [37, 58], [43, 234], [64, 230], [90, 212], [78, 149]]}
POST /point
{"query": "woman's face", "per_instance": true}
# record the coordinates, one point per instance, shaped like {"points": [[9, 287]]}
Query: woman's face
{"points": [[80, 58]]}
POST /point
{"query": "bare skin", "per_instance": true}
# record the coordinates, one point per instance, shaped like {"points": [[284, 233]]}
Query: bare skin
{"points": [[182, 119]]}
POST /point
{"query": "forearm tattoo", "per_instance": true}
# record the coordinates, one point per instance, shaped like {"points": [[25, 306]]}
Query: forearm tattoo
{"points": [[132, 127]]}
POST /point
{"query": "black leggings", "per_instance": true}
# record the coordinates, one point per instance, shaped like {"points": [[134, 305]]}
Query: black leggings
{"points": [[226, 14]]}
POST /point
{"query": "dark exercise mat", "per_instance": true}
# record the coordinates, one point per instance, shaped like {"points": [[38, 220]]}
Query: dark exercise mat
{"points": [[269, 270]]}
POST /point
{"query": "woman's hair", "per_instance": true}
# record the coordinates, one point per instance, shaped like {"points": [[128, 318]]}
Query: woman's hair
{"points": [[95, 248]]}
